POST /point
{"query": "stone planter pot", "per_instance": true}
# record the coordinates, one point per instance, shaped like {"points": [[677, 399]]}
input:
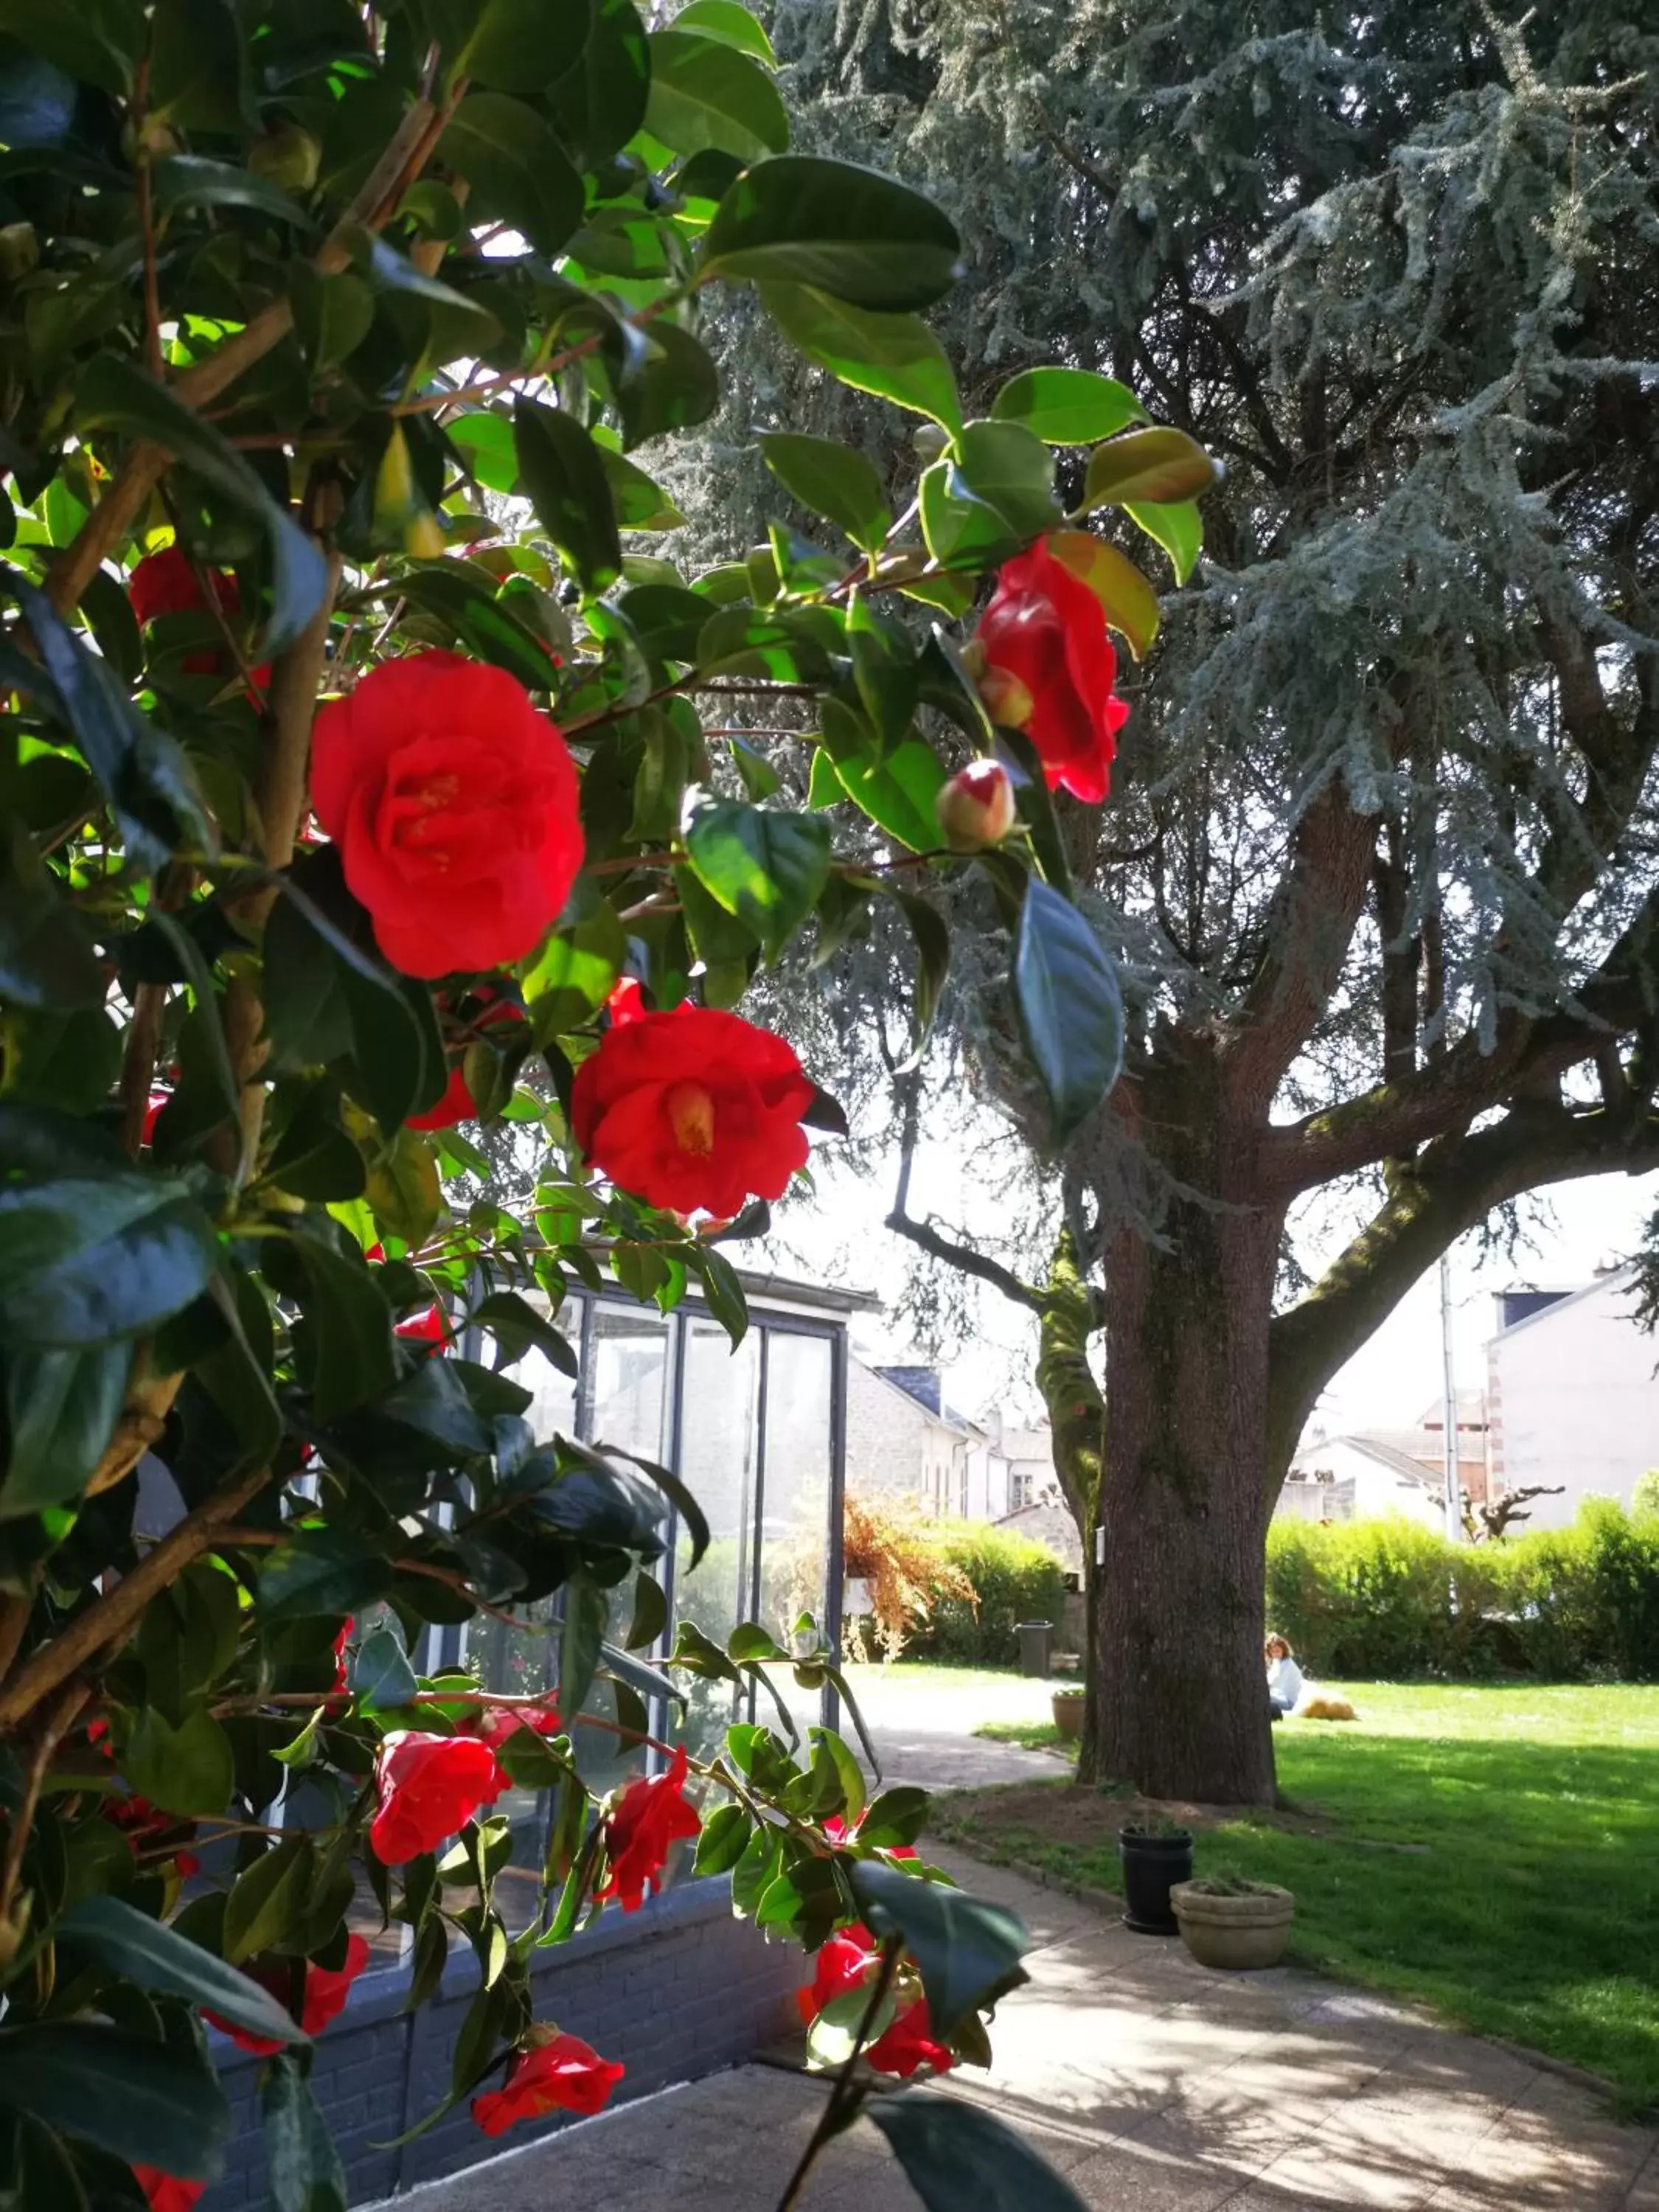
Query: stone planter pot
{"points": [[1234, 1933], [1066, 1705]]}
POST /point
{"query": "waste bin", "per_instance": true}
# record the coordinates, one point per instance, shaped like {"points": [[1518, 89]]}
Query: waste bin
{"points": [[1035, 1638]]}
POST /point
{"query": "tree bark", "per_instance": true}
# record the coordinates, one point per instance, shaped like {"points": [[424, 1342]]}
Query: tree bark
{"points": [[1180, 1705]]}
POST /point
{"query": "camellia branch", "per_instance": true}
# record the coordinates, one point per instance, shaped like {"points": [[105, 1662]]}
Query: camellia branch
{"points": [[56, 1727], [841, 2108]]}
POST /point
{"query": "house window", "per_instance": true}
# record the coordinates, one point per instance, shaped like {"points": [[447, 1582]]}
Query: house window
{"points": [[1020, 1489]]}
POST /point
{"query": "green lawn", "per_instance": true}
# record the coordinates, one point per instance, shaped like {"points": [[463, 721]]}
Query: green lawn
{"points": [[1493, 1851]]}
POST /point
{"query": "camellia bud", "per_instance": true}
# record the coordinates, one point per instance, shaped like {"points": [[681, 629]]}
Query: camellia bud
{"points": [[19, 250], [1006, 699], [287, 156], [976, 807]]}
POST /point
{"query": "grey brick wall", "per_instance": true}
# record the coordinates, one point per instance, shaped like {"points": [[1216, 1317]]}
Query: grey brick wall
{"points": [[679, 1989]]}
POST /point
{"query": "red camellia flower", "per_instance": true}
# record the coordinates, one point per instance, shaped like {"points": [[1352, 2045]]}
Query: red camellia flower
{"points": [[458, 1103], [164, 2192], [696, 1111], [326, 1990], [453, 804], [838, 1832], [427, 1327], [164, 583], [1050, 669], [563, 2074], [847, 1961], [651, 1815], [429, 1786], [501, 1721]]}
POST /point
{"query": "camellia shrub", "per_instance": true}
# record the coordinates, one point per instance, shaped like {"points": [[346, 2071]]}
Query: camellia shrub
{"points": [[366, 778]]}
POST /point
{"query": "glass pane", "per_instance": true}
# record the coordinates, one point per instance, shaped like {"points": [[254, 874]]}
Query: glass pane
{"points": [[627, 1388], [552, 1407], [717, 1463], [795, 1498]]}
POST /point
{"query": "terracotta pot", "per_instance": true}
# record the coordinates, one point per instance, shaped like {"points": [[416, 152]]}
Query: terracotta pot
{"points": [[1234, 1933], [1067, 1710]]}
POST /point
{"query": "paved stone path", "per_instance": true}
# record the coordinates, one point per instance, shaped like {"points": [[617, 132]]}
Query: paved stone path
{"points": [[1154, 2086], [924, 1730]]}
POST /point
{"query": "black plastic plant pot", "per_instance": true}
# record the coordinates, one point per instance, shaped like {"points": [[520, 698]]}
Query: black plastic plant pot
{"points": [[1151, 1867]]}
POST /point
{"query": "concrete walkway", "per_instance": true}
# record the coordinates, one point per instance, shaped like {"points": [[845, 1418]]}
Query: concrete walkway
{"points": [[1154, 2086], [924, 1730]]}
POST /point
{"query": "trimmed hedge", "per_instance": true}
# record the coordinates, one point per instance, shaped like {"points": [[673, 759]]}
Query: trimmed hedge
{"points": [[1015, 1578], [1388, 1598]]}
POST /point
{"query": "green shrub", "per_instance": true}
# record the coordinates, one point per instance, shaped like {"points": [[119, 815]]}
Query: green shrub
{"points": [[1644, 1498], [1391, 1598], [1014, 1579]]}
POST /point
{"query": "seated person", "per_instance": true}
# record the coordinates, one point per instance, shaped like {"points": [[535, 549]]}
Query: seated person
{"points": [[1284, 1682]]}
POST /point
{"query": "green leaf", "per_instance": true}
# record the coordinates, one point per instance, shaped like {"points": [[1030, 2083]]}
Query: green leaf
{"points": [[959, 2158], [516, 1323], [896, 356], [932, 942], [1004, 465], [84, 1261], [305, 2172], [899, 793], [1067, 406], [896, 1818], [190, 181], [968, 1951], [724, 1294], [1035, 803], [350, 1325], [849, 232], [848, 1773], [884, 670], [60, 1410], [671, 384], [640, 504], [696, 1523], [155, 2104], [1160, 466], [650, 1612], [155, 1957], [199, 74], [461, 596], [113, 394], [725, 1838], [581, 1632], [725, 20], [1177, 526], [766, 867], [187, 1769], [704, 93], [520, 45], [381, 1674], [517, 169], [599, 107], [403, 1189], [832, 480], [755, 1871], [267, 1899], [321, 1571], [99, 42], [1071, 1010]]}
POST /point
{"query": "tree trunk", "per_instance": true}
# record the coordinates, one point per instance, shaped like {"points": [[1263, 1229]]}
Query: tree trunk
{"points": [[1180, 1705]]}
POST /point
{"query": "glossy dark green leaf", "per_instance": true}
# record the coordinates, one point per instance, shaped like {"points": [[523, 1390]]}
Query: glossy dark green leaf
{"points": [[704, 93], [896, 1817], [513, 1322], [517, 170], [673, 386], [61, 1411], [961, 529], [968, 1950], [114, 394], [305, 2168], [581, 1632], [849, 232], [127, 1942], [267, 1899], [186, 180], [486, 625], [933, 943], [685, 1503], [765, 867], [959, 2158], [650, 1613], [153, 2103], [1008, 467], [832, 480], [1034, 804], [598, 106], [898, 792], [380, 1672], [99, 42], [724, 1294], [560, 467], [725, 1838], [404, 1190], [639, 503], [1067, 406], [895, 356], [199, 73], [48, 958], [319, 1571], [519, 46], [1146, 466], [353, 1359], [1070, 1006], [187, 1769], [83, 1262]]}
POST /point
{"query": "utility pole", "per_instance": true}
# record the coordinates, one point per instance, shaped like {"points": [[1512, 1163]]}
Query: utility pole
{"points": [[1453, 1495]]}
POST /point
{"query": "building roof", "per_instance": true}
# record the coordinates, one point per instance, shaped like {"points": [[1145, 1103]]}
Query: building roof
{"points": [[930, 1402], [1386, 1454], [1555, 1302]]}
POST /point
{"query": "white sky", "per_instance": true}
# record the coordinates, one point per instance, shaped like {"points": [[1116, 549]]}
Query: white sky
{"points": [[841, 1239]]}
